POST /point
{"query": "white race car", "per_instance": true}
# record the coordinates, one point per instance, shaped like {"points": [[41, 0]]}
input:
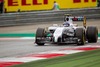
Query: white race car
{"points": [[60, 34]]}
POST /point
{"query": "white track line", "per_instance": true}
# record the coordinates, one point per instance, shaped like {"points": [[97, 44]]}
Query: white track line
{"points": [[22, 59]]}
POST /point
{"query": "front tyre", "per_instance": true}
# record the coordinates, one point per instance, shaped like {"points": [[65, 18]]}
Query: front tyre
{"points": [[40, 36]]}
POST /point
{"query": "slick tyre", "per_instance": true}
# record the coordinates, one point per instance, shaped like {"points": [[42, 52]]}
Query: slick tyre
{"points": [[40, 36], [80, 34], [92, 34]]}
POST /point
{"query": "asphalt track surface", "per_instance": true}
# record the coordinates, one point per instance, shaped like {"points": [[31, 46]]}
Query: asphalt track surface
{"points": [[12, 48]]}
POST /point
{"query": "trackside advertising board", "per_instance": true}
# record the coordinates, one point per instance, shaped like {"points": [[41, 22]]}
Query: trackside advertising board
{"points": [[28, 5]]}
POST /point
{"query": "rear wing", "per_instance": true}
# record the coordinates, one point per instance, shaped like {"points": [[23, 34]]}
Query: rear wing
{"points": [[77, 18], [80, 18]]}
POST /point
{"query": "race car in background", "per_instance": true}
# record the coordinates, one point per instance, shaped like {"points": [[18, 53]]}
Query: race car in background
{"points": [[59, 34]]}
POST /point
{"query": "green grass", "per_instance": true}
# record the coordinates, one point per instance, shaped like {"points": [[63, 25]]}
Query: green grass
{"points": [[83, 59]]}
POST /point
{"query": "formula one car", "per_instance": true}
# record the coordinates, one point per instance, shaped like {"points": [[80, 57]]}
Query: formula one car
{"points": [[60, 34]]}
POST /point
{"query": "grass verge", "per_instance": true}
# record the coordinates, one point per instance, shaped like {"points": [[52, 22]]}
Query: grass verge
{"points": [[83, 59]]}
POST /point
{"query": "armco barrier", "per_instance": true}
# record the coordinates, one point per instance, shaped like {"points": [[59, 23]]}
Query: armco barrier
{"points": [[23, 18]]}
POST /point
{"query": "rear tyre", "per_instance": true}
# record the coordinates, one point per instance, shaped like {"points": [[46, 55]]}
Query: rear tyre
{"points": [[80, 34], [92, 34], [40, 36]]}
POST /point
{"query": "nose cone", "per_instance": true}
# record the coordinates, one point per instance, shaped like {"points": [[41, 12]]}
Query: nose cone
{"points": [[55, 39], [58, 33]]}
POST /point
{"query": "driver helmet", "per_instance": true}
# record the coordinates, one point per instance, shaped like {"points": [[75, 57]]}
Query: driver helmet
{"points": [[67, 19]]}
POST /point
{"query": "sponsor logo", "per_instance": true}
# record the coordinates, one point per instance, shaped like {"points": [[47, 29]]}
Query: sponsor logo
{"points": [[25, 2], [85, 1]]}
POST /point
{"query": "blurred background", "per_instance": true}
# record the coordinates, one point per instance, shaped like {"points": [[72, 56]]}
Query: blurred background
{"points": [[31, 5], [25, 12]]}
